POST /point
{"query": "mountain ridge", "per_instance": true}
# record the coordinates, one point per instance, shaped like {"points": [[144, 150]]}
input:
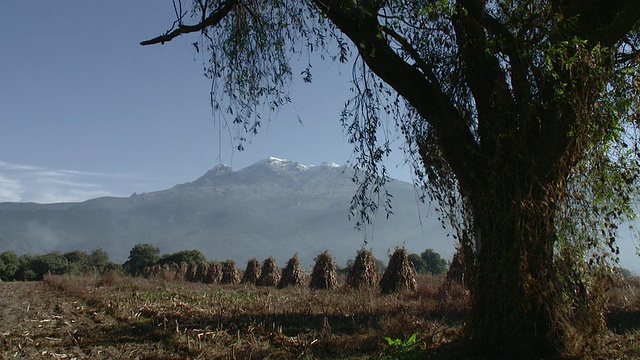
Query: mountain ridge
{"points": [[274, 207]]}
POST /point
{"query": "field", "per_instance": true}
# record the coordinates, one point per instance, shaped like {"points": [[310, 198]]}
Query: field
{"points": [[114, 317]]}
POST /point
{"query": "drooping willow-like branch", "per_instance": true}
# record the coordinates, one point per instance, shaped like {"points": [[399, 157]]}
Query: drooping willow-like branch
{"points": [[212, 20]]}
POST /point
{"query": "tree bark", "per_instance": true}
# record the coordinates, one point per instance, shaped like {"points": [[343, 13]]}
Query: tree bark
{"points": [[515, 310]]}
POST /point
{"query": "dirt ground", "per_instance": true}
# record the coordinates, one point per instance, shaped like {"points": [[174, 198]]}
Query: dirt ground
{"points": [[39, 322], [83, 318]]}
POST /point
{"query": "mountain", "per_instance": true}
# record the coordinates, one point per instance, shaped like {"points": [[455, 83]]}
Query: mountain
{"points": [[273, 208]]}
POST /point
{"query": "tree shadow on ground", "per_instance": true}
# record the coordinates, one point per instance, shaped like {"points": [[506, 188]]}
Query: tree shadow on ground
{"points": [[622, 321]]}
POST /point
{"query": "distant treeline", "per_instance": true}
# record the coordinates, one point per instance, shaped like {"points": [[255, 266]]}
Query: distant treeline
{"points": [[143, 256], [34, 267]]}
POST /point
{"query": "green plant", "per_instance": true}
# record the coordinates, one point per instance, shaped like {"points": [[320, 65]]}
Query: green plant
{"points": [[399, 346]]}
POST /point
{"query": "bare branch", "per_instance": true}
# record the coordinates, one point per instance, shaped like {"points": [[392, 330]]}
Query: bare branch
{"points": [[212, 20]]}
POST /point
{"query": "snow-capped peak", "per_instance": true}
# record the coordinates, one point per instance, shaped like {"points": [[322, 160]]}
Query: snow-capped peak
{"points": [[278, 164], [221, 169], [282, 165], [329, 164]]}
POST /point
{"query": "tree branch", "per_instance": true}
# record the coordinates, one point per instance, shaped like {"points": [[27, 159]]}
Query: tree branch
{"points": [[509, 45], [426, 97], [212, 20], [422, 65], [605, 22], [484, 76]]}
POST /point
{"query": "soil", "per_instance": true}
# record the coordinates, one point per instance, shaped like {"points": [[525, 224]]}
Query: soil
{"points": [[40, 322]]}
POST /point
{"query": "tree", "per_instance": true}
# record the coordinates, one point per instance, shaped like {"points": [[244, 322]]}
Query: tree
{"points": [[52, 263], [418, 264], [435, 264], [79, 262], [140, 257], [25, 271], [184, 256], [9, 266], [100, 260], [515, 115]]}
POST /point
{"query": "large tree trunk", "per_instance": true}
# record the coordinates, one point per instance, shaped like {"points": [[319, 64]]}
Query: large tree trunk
{"points": [[515, 310]]}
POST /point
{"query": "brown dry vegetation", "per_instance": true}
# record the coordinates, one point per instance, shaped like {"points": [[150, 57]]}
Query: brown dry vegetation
{"points": [[121, 317]]}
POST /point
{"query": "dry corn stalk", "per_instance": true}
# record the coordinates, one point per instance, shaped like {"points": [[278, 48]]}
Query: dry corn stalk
{"points": [[292, 275], [363, 271], [270, 275], [399, 276], [230, 273], [324, 273], [252, 272]]}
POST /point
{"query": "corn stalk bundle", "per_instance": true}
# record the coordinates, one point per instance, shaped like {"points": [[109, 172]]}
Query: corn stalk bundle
{"points": [[324, 273], [156, 270], [214, 273], [174, 271], [455, 273], [230, 273], [165, 272], [399, 276], [270, 275], [147, 272], [201, 272], [362, 274], [192, 270], [252, 272], [292, 275], [182, 271]]}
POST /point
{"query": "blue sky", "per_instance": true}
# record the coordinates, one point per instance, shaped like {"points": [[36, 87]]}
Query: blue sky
{"points": [[85, 111]]}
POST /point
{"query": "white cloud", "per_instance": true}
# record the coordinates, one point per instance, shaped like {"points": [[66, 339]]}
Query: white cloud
{"points": [[25, 183], [10, 190]]}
